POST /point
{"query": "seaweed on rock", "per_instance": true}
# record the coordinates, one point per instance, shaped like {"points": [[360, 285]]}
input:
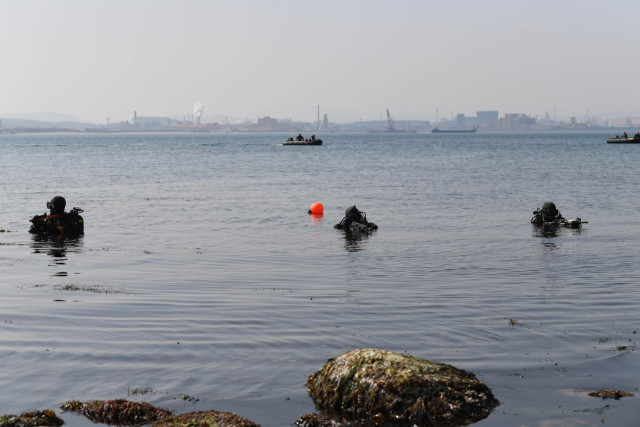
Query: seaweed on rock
{"points": [[117, 412], [611, 394], [381, 386], [315, 420], [32, 419], [206, 419]]}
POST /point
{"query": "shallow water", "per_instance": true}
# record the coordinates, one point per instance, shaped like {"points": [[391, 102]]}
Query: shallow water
{"points": [[201, 274]]}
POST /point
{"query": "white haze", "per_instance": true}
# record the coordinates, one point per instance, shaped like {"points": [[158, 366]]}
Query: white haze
{"points": [[102, 59]]}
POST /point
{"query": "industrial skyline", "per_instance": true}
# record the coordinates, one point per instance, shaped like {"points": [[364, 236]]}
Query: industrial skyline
{"points": [[94, 61]]}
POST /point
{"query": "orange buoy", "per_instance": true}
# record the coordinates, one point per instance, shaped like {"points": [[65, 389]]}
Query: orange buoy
{"points": [[316, 208]]}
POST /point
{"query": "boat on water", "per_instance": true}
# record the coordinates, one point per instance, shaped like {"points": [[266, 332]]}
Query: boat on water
{"points": [[624, 140], [290, 141], [436, 130]]}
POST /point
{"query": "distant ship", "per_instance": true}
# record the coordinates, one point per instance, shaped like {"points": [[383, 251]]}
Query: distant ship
{"points": [[436, 130]]}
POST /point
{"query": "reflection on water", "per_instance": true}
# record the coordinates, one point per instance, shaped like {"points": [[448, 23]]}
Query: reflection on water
{"points": [[353, 241], [316, 219], [550, 230], [56, 247], [546, 230]]}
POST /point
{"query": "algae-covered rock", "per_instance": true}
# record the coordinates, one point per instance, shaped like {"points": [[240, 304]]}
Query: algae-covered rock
{"points": [[380, 386], [315, 420], [117, 412], [206, 419], [31, 419], [611, 394]]}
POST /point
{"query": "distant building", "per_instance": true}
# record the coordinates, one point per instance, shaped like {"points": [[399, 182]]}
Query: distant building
{"points": [[460, 120], [514, 122], [267, 121], [486, 116], [381, 125], [626, 122], [268, 124], [153, 122]]}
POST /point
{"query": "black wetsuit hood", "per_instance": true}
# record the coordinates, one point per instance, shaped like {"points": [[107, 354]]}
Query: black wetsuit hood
{"points": [[57, 205]]}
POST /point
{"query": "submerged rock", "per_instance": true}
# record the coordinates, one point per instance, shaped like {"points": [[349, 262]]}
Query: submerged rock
{"points": [[379, 386], [32, 419], [611, 394], [206, 419], [117, 412]]}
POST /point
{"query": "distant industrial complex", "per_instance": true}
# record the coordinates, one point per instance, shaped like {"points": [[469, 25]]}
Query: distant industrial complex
{"points": [[483, 121]]}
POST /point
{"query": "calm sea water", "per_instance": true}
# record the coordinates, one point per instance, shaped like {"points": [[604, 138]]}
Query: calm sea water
{"points": [[202, 280]]}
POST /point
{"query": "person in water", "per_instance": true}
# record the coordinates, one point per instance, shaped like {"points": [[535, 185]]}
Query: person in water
{"points": [[299, 137], [549, 214], [355, 220], [58, 222]]}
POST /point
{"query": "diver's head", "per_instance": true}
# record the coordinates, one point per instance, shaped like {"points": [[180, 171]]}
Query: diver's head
{"points": [[549, 211], [351, 211], [57, 205]]}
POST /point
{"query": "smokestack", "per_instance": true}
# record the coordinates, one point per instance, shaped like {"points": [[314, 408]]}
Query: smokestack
{"points": [[198, 108]]}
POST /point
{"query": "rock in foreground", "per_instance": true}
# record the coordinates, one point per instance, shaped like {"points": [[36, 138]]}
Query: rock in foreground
{"points": [[31, 419], [120, 412], [206, 419], [379, 386], [611, 394], [315, 420]]}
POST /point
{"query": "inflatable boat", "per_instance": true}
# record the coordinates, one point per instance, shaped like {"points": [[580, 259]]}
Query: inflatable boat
{"points": [[292, 142], [627, 140]]}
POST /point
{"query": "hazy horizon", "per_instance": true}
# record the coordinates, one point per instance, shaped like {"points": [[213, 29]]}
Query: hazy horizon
{"points": [[282, 59]]}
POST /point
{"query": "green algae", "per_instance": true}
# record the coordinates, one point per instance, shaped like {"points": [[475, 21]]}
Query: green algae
{"points": [[368, 383], [206, 419]]}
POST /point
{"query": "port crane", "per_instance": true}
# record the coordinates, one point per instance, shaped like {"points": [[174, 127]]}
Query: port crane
{"points": [[390, 122]]}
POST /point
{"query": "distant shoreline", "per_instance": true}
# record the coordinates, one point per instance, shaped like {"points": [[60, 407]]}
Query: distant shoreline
{"points": [[36, 131]]}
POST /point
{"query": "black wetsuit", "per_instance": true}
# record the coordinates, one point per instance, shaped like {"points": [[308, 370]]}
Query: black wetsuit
{"points": [[539, 218], [299, 138], [352, 214], [64, 224]]}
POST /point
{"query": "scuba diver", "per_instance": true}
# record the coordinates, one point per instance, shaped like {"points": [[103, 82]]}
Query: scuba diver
{"points": [[58, 222], [313, 138], [299, 137], [355, 221], [548, 214], [624, 135]]}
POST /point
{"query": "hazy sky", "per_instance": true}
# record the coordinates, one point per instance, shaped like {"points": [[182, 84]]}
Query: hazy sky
{"points": [[94, 59]]}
